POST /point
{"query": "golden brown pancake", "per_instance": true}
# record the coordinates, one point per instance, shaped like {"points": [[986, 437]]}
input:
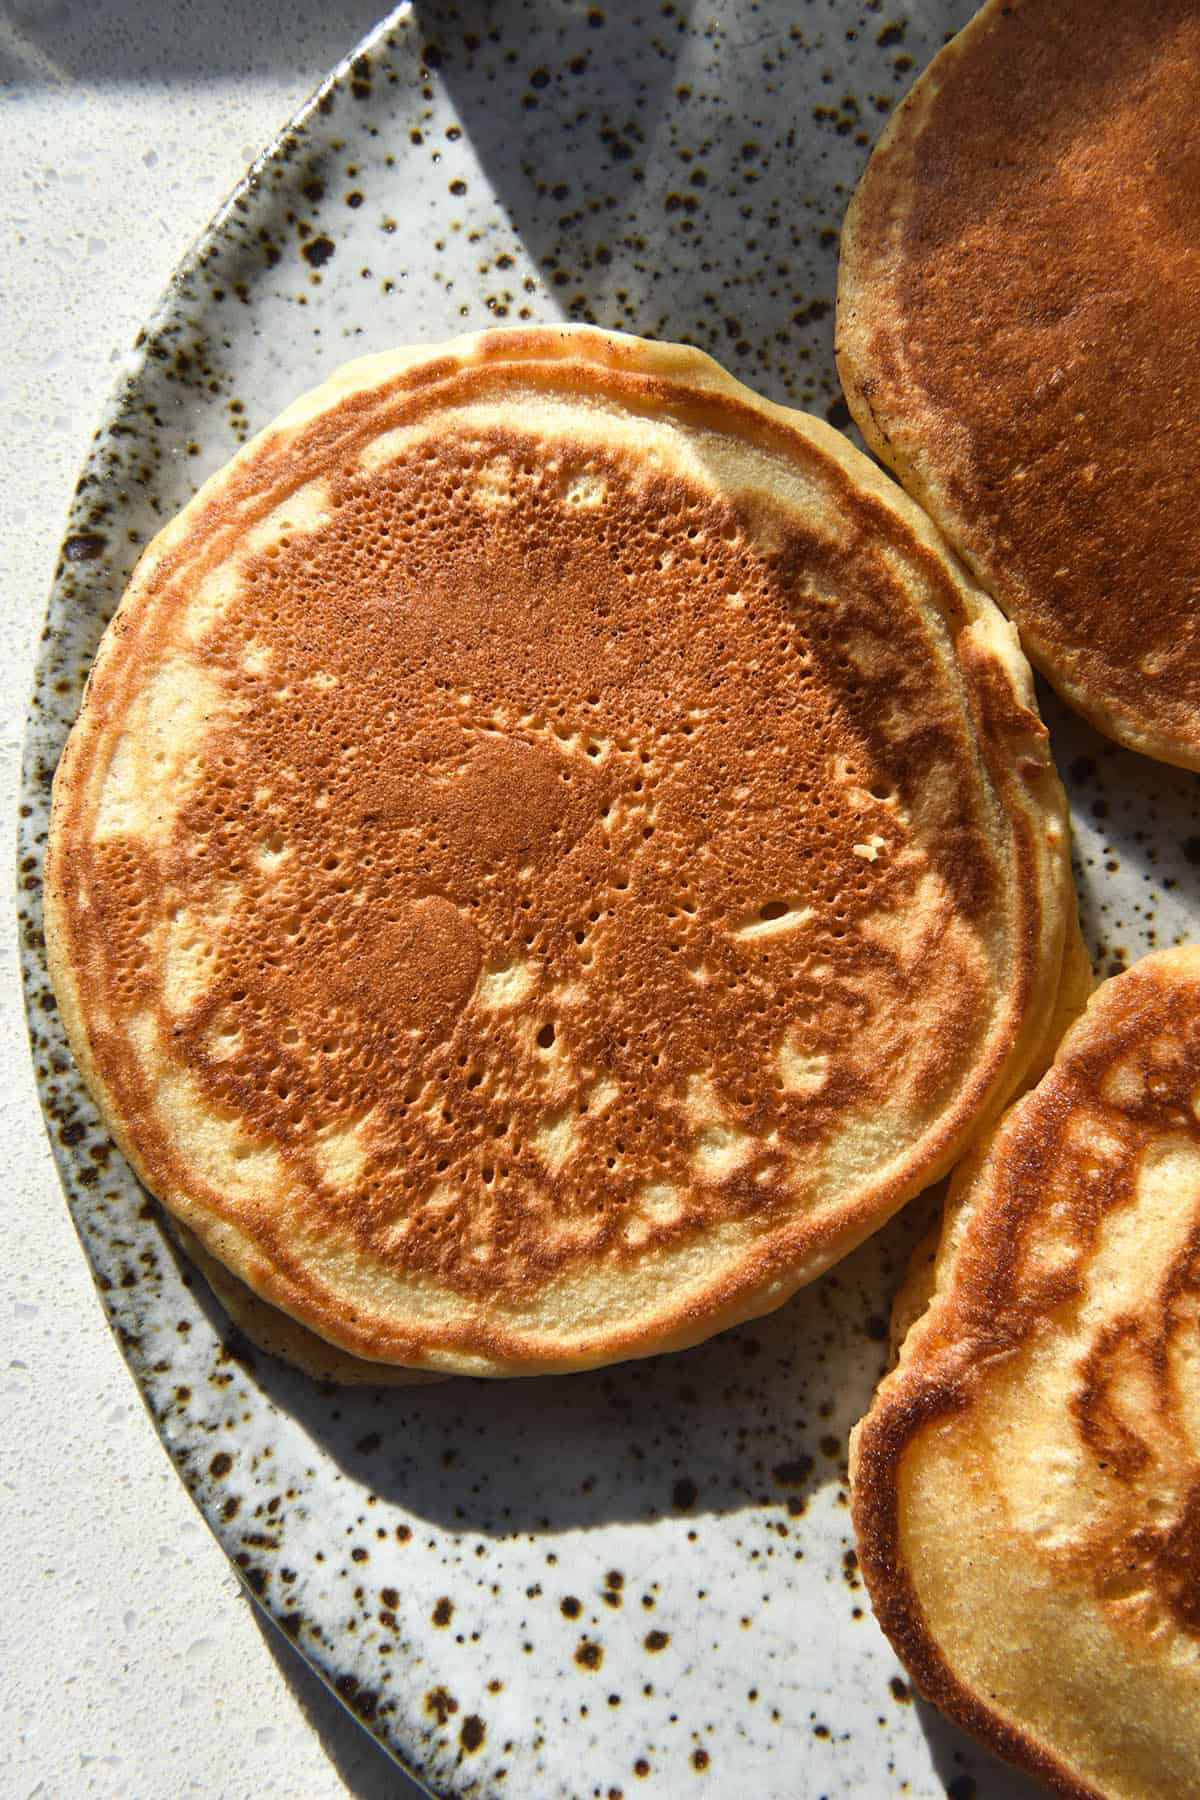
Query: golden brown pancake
{"points": [[1075, 987], [554, 852], [1026, 1486], [1019, 338], [268, 1329]]}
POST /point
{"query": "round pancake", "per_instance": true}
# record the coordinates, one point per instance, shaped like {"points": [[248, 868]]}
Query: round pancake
{"points": [[1026, 1486], [1019, 339], [553, 853]]}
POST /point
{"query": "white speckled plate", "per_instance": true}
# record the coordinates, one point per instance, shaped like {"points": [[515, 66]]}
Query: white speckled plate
{"points": [[639, 1581]]}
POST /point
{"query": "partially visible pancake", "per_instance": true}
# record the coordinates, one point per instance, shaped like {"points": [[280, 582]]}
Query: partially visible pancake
{"points": [[1026, 1486], [554, 852], [1018, 335]]}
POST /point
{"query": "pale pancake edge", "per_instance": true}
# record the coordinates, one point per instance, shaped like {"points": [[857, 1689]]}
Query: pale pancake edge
{"points": [[1026, 1486]]}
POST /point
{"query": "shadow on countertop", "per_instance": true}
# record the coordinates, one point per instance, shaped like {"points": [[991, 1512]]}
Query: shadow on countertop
{"points": [[97, 41]]}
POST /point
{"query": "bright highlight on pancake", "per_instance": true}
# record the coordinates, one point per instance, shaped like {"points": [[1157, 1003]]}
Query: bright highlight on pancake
{"points": [[1026, 1487], [554, 852]]}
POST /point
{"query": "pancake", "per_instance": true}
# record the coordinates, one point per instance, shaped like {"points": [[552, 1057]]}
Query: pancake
{"points": [[553, 853], [1019, 339], [268, 1329], [1026, 1486]]}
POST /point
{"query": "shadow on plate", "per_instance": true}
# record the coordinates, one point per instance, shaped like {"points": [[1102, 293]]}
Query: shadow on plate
{"points": [[1134, 818], [651, 167], [757, 1417], [968, 1771]]}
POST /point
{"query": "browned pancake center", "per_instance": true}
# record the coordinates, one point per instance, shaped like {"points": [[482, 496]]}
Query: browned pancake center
{"points": [[564, 869]]}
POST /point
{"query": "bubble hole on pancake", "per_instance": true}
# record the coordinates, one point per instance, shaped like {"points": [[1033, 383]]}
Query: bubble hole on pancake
{"points": [[553, 853], [1018, 337], [1026, 1486]]}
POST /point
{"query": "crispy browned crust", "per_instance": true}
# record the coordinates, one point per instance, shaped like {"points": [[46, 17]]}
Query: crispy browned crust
{"points": [[991, 1296], [459, 743], [1019, 338]]}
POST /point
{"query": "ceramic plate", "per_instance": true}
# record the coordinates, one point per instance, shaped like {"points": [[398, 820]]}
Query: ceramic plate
{"points": [[641, 1581]]}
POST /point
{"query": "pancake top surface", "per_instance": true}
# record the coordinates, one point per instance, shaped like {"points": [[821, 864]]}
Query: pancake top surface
{"points": [[552, 853], [1019, 338], [1026, 1488]]}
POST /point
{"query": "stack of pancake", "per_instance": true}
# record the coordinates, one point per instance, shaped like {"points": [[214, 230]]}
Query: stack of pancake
{"points": [[554, 852], [557, 849]]}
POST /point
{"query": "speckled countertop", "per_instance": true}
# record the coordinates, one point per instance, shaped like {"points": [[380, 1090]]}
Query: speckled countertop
{"points": [[134, 1663]]}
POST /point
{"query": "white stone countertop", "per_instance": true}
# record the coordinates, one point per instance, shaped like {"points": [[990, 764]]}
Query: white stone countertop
{"points": [[133, 1662]]}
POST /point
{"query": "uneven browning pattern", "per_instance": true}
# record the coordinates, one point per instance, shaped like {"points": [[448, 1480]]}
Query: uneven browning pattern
{"points": [[1027, 1485], [1019, 338], [540, 841]]}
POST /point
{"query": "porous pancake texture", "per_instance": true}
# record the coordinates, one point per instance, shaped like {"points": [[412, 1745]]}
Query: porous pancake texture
{"points": [[554, 852], [1026, 1487], [1018, 335]]}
